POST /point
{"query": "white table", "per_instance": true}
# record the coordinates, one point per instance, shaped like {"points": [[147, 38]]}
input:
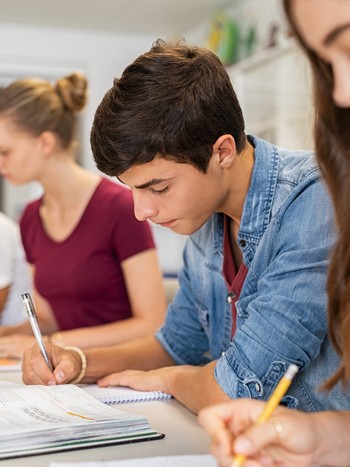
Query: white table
{"points": [[183, 435]]}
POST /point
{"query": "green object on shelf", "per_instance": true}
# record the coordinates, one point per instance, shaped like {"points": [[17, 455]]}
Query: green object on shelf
{"points": [[250, 41], [223, 39]]}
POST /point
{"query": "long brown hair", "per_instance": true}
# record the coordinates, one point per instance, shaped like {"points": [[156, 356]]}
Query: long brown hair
{"points": [[332, 143]]}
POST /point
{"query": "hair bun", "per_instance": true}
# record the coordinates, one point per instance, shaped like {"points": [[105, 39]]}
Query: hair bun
{"points": [[72, 90]]}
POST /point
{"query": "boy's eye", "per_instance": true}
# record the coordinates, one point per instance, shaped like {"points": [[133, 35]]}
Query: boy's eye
{"points": [[159, 192]]}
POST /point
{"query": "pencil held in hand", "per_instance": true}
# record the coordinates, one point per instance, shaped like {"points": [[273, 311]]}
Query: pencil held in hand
{"points": [[271, 404]]}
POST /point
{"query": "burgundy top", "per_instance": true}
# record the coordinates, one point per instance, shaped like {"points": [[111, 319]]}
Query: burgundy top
{"points": [[234, 279], [81, 276]]}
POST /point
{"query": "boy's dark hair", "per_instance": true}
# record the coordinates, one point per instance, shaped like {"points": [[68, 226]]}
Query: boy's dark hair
{"points": [[174, 101]]}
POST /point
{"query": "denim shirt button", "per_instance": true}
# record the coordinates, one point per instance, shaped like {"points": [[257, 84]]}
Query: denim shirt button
{"points": [[257, 387], [242, 243], [231, 296]]}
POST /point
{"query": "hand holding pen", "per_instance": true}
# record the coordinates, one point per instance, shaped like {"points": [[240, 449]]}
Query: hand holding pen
{"points": [[61, 376], [29, 306]]}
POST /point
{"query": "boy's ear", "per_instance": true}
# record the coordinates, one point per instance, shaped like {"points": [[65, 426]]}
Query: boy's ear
{"points": [[48, 142], [225, 148]]}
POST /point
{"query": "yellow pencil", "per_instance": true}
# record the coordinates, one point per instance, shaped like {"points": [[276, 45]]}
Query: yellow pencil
{"points": [[270, 406]]}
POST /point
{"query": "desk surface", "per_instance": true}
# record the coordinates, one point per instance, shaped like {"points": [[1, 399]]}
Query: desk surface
{"points": [[183, 435]]}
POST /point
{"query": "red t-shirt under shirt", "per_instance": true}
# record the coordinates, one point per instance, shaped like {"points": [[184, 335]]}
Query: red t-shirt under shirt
{"points": [[234, 279], [81, 276]]}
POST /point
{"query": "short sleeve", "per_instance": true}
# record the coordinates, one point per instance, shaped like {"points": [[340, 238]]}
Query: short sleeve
{"points": [[131, 236]]}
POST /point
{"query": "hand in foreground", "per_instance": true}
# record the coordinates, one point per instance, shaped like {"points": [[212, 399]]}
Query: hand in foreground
{"points": [[153, 380], [66, 364], [289, 438], [14, 345]]}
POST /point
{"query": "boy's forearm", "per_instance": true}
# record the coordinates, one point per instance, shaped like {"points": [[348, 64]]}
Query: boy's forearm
{"points": [[195, 387]]}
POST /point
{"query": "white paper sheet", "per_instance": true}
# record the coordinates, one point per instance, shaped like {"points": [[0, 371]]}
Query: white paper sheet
{"points": [[167, 461]]}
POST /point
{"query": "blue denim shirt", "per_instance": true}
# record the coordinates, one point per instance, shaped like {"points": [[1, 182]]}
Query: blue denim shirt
{"points": [[286, 235]]}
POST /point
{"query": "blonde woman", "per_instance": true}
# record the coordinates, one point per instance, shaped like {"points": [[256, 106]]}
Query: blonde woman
{"points": [[95, 267]]}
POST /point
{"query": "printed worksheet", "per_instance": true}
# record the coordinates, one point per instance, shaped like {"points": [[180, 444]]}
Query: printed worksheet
{"points": [[25, 409], [37, 419]]}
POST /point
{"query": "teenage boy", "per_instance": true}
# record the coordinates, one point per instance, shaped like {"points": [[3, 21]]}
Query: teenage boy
{"points": [[252, 295]]}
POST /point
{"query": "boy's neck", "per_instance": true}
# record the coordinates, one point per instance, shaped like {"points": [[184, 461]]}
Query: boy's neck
{"points": [[241, 172]]}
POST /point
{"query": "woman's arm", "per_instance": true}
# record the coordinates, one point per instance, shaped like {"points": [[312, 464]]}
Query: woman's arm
{"points": [[146, 293], [147, 297], [145, 353], [303, 439]]}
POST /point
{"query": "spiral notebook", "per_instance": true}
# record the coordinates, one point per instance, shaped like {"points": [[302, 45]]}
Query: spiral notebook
{"points": [[123, 395]]}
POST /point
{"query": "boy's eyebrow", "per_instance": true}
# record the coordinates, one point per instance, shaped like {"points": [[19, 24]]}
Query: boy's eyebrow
{"points": [[335, 33], [154, 181]]}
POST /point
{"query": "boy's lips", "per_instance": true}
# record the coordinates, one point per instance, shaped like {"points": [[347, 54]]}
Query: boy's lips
{"points": [[166, 224]]}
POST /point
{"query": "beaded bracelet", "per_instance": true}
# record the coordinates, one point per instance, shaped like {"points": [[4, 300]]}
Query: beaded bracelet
{"points": [[83, 363]]}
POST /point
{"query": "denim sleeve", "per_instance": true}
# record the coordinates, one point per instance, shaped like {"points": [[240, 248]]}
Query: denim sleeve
{"points": [[282, 314], [184, 334]]}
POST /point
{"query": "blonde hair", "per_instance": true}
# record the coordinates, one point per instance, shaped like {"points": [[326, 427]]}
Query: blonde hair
{"points": [[36, 105]]}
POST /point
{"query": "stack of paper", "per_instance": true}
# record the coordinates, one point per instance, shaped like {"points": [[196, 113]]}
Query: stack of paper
{"points": [[41, 419]]}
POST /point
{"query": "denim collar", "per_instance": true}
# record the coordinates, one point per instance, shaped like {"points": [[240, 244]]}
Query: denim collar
{"points": [[258, 203]]}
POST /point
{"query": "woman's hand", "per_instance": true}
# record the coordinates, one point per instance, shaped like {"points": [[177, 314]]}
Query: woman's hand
{"points": [[14, 345], [289, 438], [66, 363]]}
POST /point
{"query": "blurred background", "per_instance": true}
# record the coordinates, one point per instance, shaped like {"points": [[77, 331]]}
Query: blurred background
{"points": [[50, 39]]}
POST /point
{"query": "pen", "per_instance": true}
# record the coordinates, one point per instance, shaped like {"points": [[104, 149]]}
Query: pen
{"points": [[29, 306], [270, 405]]}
